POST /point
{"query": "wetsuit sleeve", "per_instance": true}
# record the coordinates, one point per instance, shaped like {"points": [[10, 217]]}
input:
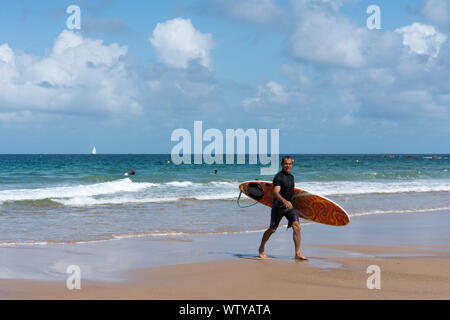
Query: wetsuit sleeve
{"points": [[276, 181]]}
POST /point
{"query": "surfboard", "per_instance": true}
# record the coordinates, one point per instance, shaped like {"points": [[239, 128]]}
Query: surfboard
{"points": [[310, 206]]}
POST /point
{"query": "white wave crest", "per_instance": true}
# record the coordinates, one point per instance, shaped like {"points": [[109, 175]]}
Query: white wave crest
{"points": [[376, 212], [126, 191], [367, 187], [104, 188], [180, 184]]}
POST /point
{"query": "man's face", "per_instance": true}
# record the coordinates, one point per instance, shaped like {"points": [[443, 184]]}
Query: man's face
{"points": [[287, 165]]}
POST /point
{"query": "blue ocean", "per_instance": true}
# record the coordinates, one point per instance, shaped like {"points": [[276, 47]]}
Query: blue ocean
{"points": [[82, 198]]}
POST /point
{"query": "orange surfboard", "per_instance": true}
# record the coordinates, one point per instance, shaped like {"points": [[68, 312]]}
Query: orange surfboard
{"points": [[309, 206]]}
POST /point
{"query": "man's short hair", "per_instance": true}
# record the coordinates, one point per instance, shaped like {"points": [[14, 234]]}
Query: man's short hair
{"points": [[285, 158]]}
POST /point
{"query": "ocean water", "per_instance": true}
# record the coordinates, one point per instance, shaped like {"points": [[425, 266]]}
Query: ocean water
{"points": [[81, 198]]}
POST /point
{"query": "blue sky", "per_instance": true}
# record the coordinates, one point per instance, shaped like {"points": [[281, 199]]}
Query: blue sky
{"points": [[136, 72]]}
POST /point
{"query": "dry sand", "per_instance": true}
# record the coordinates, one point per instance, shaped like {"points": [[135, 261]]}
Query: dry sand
{"points": [[402, 277]]}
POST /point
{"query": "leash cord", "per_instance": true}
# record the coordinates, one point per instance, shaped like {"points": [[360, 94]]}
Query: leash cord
{"points": [[238, 203]]}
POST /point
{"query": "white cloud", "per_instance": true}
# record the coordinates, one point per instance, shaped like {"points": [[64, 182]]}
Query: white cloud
{"points": [[182, 91], [6, 54], [388, 94], [178, 43], [368, 76], [78, 76], [277, 92], [321, 35], [271, 96], [269, 93], [422, 39]]}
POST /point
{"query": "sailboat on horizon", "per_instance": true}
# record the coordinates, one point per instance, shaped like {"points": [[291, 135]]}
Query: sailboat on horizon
{"points": [[94, 151]]}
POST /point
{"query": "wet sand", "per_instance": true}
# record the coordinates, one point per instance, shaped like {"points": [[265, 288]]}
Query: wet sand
{"points": [[413, 265], [425, 277]]}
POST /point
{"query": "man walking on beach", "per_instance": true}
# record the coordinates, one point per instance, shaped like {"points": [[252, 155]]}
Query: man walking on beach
{"points": [[283, 190]]}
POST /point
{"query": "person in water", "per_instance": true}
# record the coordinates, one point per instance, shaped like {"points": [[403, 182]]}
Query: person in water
{"points": [[215, 171], [131, 173], [283, 190]]}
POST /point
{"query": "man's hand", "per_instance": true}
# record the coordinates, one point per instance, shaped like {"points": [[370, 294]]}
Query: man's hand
{"points": [[276, 192], [288, 205]]}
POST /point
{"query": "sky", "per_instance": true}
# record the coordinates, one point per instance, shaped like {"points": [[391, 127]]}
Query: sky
{"points": [[135, 71]]}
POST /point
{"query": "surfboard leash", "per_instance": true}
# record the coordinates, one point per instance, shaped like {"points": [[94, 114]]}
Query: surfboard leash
{"points": [[239, 205]]}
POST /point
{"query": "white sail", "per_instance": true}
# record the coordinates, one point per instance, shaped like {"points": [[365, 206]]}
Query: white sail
{"points": [[94, 151]]}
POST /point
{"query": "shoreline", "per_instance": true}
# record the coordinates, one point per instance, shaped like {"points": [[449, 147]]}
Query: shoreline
{"points": [[414, 277], [412, 251]]}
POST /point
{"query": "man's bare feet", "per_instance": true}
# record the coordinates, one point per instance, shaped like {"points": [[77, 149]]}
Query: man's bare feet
{"points": [[262, 254], [301, 257]]}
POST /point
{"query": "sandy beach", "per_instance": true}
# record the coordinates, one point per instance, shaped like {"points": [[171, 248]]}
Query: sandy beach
{"points": [[413, 266], [402, 278]]}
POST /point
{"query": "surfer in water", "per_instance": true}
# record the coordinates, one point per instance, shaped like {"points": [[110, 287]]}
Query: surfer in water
{"points": [[283, 190], [131, 173]]}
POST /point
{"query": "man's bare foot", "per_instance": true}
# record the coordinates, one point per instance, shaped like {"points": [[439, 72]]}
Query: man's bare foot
{"points": [[262, 254], [301, 257]]}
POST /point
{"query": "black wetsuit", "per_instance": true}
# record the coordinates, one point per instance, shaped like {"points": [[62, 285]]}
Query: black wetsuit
{"points": [[286, 182]]}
